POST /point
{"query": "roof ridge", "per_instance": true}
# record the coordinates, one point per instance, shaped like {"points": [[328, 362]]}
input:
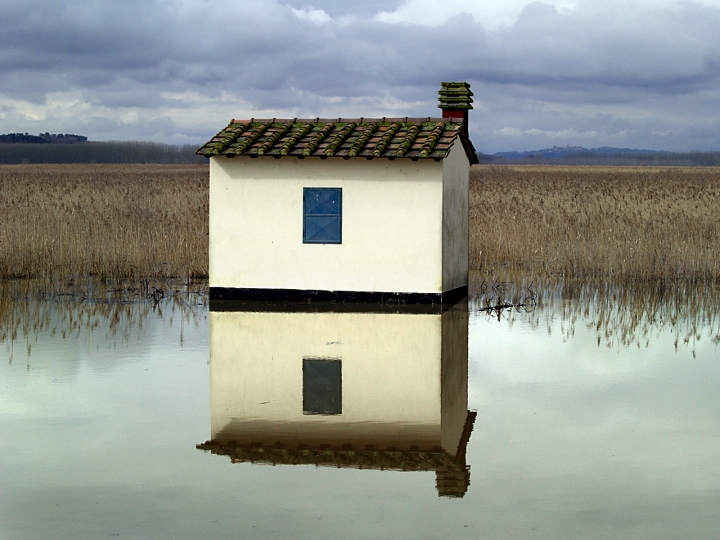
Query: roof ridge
{"points": [[360, 120]]}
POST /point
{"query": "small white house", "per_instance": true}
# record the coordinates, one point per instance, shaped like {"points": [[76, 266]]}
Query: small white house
{"points": [[347, 209]]}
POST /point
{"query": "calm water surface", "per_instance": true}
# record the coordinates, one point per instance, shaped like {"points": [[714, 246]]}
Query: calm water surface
{"points": [[592, 421]]}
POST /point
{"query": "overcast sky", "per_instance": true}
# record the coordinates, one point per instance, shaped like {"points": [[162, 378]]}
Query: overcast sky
{"points": [[633, 73]]}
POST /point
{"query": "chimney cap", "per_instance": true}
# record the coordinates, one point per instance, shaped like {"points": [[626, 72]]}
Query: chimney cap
{"points": [[455, 95]]}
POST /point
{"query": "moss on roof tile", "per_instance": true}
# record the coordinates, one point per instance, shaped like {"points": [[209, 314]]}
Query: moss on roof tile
{"points": [[385, 139], [338, 139], [367, 131], [414, 138], [270, 140], [407, 141], [299, 131], [317, 138], [250, 139]]}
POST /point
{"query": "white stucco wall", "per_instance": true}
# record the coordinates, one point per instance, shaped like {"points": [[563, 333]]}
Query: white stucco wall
{"points": [[456, 179], [392, 238]]}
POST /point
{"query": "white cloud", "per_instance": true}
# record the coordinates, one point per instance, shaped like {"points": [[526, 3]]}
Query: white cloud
{"points": [[509, 132], [317, 16], [490, 14]]}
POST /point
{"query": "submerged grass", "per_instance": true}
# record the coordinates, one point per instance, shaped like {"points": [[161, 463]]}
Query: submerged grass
{"points": [[621, 314], [118, 310], [127, 222], [600, 224]]}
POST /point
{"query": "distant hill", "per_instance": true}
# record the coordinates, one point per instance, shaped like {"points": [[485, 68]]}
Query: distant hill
{"points": [[42, 138], [605, 155], [565, 151]]}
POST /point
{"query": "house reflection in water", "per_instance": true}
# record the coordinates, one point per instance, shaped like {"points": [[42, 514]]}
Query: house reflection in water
{"points": [[376, 389]]}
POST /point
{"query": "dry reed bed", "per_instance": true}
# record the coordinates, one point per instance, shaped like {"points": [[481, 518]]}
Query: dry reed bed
{"points": [[112, 221], [596, 223]]}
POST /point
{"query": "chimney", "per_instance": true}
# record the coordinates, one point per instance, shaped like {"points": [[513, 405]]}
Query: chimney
{"points": [[455, 101]]}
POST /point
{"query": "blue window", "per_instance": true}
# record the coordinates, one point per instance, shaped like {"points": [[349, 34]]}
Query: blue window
{"points": [[322, 215]]}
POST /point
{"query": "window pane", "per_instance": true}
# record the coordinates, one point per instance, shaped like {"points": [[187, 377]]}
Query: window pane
{"points": [[322, 201], [322, 230], [322, 386]]}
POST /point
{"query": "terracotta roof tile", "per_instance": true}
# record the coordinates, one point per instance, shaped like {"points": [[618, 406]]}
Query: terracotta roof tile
{"points": [[414, 138]]}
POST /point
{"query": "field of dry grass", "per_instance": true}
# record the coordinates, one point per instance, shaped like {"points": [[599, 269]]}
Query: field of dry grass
{"points": [[151, 221], [596, 223], [111, 221]]}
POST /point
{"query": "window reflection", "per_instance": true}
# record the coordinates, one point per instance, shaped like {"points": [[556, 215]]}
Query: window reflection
{"points": [[322, 386]]}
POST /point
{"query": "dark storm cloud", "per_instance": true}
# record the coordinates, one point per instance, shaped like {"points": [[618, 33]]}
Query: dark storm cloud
{"points": [[595, 74], [659, 51]]}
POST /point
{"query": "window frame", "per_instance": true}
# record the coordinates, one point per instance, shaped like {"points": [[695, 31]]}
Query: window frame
{"points": [[306, 191]]}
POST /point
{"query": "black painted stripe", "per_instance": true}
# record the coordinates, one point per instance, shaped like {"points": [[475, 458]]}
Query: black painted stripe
{"points": [[298, 295]]}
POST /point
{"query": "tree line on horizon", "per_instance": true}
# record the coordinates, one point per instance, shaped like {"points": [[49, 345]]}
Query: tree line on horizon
{"points": [[18, 148], [42, 138]]}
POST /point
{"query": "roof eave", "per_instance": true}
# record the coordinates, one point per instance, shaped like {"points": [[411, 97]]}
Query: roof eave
{"points": [[469, 148]]}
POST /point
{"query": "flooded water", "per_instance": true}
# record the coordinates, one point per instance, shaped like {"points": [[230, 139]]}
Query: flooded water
{"points": [[584, 414]]}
